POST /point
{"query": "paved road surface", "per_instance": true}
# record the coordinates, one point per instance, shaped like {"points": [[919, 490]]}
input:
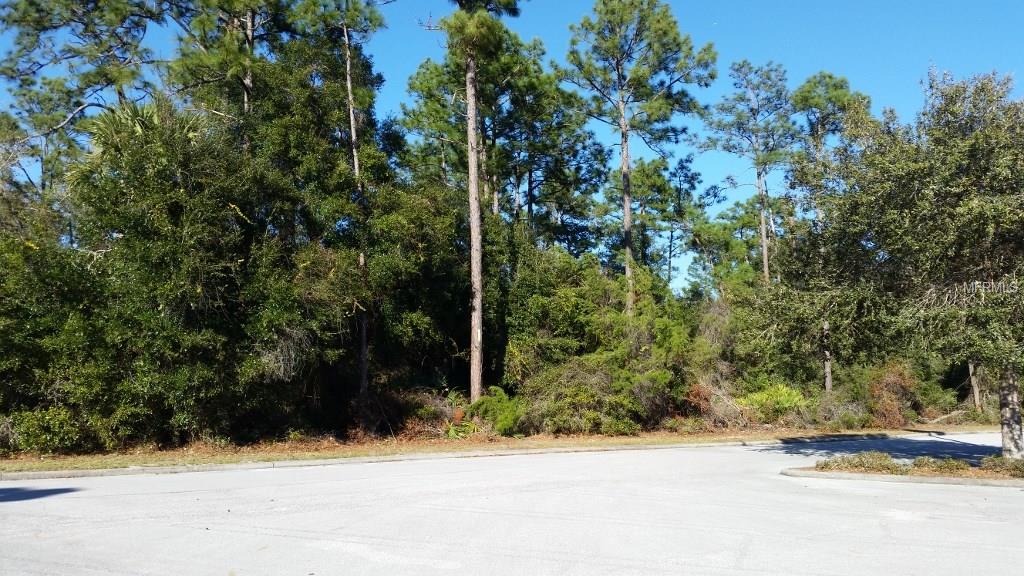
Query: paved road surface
{"points": [[720, 510]]}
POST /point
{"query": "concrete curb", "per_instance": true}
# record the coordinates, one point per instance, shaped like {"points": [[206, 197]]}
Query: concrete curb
{"points": [[812, 473], [270, 464]]}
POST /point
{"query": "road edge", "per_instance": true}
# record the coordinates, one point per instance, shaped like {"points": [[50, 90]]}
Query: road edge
{"points": [[299, 463], [947, 480]]}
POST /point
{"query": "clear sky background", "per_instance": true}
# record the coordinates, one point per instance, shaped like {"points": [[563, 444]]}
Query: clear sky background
{"points": [[884, 48]]}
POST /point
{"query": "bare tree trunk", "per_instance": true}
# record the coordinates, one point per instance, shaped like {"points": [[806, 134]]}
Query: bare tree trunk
{"points": [[517, 196], [825, 338], [1009, 415], [492, 180], [476, 343], [353, 136], [529, 197], [444, 162], [352, 128], [485, 174], [250, 52], [627, 208], [44, 177], [671, 245], [972, 371], [763, 196]]}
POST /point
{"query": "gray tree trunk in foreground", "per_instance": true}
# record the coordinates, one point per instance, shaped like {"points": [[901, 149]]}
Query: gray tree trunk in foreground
{"points": [[1009, 415], [627, 206], [973, 371], [476, 343]]}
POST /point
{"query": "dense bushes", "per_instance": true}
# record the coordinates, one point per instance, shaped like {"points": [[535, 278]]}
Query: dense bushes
{"points": [[773, 402], [504, 413], [55, 429]]}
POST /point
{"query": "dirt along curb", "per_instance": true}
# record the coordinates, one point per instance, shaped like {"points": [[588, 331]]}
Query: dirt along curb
{"points": [[905, 479], [295, 463]]}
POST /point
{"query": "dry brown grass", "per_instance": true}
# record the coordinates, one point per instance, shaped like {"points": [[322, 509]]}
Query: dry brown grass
{"points": [[882, 463], [328, 447]]}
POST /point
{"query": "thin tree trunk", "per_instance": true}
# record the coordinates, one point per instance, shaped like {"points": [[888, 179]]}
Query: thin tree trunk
{"points": [[44, 178], [352, 128], [529, 197], [353, 136], [972, 371], [671, 245], [476, 344], [444, 163], [493, 181], [627, 208], [825, 338], [1009, 415], [250, 51], [763, 197], [645, 239], [518, 199], [485, 173]]}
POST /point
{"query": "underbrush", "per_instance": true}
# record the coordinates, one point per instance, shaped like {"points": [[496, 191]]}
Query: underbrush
{"points": [[998, 464], [884, 463], [613, 393], [879, 462]]}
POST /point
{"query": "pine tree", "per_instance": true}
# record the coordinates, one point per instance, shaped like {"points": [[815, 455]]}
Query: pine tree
{"points": [[754, 123], [471, 30], [636, 67]]}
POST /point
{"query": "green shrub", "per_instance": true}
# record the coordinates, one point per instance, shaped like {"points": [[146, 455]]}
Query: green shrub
{"points": [[427, 413], [774, 402], [838, 411], [854, 421], [1009, 466], [873, 461], [933, 397], [568, 399], [651, 396], [53, 430], [684, 425], [760, 382], [504, 413], [457, 430], [944, 465], [987, 414], [619, 427]]}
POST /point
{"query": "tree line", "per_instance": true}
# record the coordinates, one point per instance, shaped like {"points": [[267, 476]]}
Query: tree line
{"points": [[230, 243]]}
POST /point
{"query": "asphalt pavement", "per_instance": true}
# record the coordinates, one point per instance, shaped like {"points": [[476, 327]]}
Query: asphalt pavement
{"points": [[720, 510]]}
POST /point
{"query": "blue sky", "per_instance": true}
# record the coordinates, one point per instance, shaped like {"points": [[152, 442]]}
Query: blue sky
{"points": [[885, 48]]}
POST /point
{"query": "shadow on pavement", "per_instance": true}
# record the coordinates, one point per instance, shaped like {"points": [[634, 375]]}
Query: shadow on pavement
{"points": [[17, 494], [905, 448]]}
